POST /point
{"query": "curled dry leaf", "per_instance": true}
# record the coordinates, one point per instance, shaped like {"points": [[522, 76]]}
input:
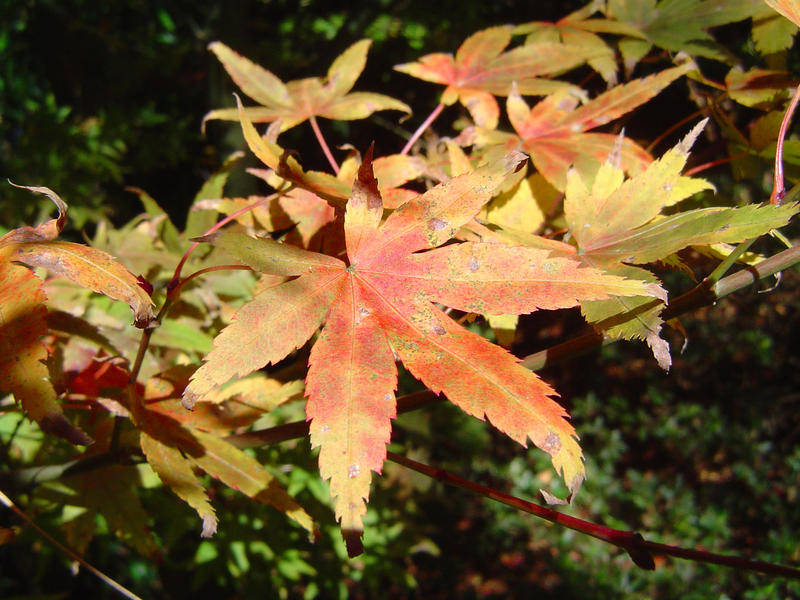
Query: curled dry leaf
{"points": [[89, 267]]}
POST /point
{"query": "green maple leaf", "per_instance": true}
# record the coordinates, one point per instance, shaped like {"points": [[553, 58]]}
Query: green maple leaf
{"points": [[616, 223], [681, 25]]}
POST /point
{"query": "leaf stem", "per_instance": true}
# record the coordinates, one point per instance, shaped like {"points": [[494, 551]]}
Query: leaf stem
{"points": [[71, 553], [421, 129], [713, 163], [639, 549], [323, 144], [778, 190], [728, 262], [176, 290], [177, 275], [299, 429]]}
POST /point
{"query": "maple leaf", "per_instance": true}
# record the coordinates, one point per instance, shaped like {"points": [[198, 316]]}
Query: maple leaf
{"points": [[175, 442], [616, 223], [481, 70], [109, 491], [577, 29], [23, 313], [788, 8], [381, 302], [554, 131], [89, 267], [681, 25], [305, 213], [296, 101]]}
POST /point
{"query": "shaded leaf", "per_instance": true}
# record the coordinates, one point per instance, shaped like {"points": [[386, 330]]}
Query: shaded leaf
{"points": [[682, 25], [22, 354], [175, 471]]}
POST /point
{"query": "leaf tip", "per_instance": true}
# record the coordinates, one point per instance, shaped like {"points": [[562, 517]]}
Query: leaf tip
{"points": [[574, 485], [516, 161], [57, 424], [209, 526], [188, 400], [353, 542], [552, 499], [655, 290], [687, 142]]}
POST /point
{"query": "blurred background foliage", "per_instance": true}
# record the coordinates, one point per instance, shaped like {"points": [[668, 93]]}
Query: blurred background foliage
{"points": [[95, 97]]}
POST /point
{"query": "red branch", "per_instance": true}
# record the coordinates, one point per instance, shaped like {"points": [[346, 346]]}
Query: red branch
{"points": [[640, 550]]}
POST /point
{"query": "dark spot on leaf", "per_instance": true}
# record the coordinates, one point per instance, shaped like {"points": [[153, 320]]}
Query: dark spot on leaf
{"points": [[552, 443], [439, 330], [473, 264], [437, 224], [145, 285]]}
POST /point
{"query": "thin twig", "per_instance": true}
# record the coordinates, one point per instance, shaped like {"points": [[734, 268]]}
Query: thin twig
{"points": [[713, 163], [323, 144], [699, 296], [187, 279], [177, 274], [778, 190], [71, 553], [421, 129], [639, 549], [674, 127]]}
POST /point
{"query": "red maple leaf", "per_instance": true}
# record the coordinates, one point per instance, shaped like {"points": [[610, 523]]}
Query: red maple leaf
{"points": [[380, 302]]}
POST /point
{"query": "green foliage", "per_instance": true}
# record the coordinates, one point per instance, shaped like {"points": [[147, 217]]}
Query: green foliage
{"points": [[350, 259]]}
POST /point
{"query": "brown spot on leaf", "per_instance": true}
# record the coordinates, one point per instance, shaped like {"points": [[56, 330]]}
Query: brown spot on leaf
{"points": [[437, 224], [552, 443]]}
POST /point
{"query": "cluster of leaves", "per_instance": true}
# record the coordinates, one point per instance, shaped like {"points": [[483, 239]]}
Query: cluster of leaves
{"points": [[382, 261]]}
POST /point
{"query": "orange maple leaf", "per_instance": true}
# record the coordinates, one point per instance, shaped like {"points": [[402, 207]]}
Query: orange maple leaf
{"points": [[555, 132], [380, 302], [23, 313], [481, 70]]}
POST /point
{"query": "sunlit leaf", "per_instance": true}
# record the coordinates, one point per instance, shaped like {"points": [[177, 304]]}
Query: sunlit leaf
{"points": [[294, 102], [481, 70], [383, 303]]}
